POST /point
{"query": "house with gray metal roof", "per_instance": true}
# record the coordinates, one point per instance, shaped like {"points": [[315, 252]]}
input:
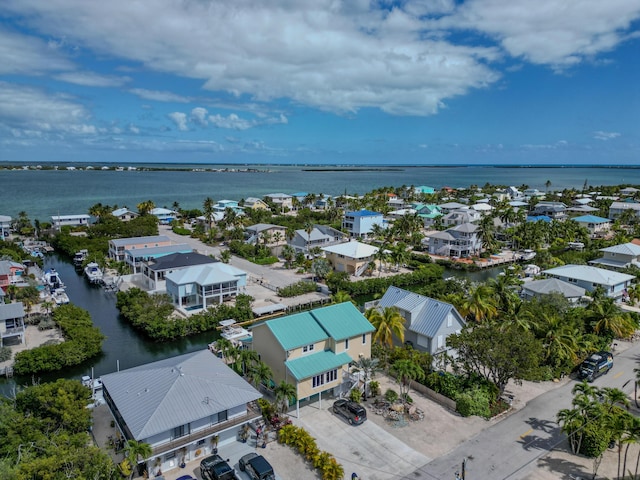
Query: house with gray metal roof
{"points": [[178, 405], [590, 278], [198, 287], [547, 286], [118, 246], [619, 256], [428, 322], [312, 350], [459, 241], [11, 321], [352, 257], [162, 260], [319, 236]]}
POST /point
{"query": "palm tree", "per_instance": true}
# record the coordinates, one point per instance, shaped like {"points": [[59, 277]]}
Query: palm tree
{"points": [[368, 367], [285, 394], [607, 318], [134, 450], [207, 207], [341, 296], [407, 371], [260, 374], [145, 207], [288, 253], [388, 322], [480, 304]]}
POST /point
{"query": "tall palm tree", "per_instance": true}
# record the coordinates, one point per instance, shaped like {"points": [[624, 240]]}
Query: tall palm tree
{"points": [[388, 322], [607, 318], [207, 207], [285, 394], [260, 374], [134, 450], [480, 304], [407, 371], [145, 207], [368, 367]]}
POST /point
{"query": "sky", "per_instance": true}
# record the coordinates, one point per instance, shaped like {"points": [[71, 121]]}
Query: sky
{"points": [[321, 81]]}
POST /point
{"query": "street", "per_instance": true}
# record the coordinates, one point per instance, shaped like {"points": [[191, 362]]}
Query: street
{"points": [[509, 450]]}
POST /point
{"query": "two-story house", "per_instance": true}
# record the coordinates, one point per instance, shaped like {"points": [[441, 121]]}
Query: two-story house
{"points": [[428, 322], [359, 224], [124, 214], [11, 273], [320, 236], [280, 200], [352, 257], [183, 407], [5, 226], [164, 215], [155, 268], [614, 284], [619, 256], [459, 241], [553, 210], [596, 226], [11, 321], [266, 234], [459, 217], [118, 246], [254, 203], [312, 350], [198, 287], [617, 208]]}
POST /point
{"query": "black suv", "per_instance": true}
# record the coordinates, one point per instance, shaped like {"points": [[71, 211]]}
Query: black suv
{"points": [[352, 411], [256, 467], [215, 468], [597, 364]]}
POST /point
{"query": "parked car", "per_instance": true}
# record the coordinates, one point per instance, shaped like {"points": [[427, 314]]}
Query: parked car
{"points": [[597, 364], [185, 477], [215, 468], [257, 467], [352, 411]]}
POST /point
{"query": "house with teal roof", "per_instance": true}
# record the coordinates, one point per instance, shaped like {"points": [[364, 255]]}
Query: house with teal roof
{"points": [[427, 212], [596, 225], [312, 350], [424, 190]]}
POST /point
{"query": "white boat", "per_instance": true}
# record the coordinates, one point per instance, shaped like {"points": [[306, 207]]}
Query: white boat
{"points": [[93, 273], [52, 279], [527, 254], [233, 332], [95, 384], [60, 296], [531, 270], [80, 257]]}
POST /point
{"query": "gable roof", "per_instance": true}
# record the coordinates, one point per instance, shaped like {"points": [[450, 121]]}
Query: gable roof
{"points": [[590, 274], [315, 234], [160, 396], [11, 310], [551, 285], [352, 249], [205, 274], [590, 219], [629, 248], [339, 321], [123, 211], [179, 260]]}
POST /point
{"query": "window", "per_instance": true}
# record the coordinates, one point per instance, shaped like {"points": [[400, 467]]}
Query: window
{"points": [[318, 380], [364, 338], [449, 320], [181, 431], [222, 416], [332, 375], [440, 341], [346, 344], [307, 348]]}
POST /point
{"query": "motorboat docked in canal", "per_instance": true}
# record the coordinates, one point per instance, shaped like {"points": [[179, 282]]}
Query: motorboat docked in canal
{"points": [[95, 384], [526, 254], [93, 273], [51, 279], [233, 332], [60, 297], [80, 257]]}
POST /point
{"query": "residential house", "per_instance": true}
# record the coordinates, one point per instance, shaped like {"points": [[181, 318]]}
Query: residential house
{"points": [[118, 246], [281, 200], [547, 286], [619, 256], [59, 221], [201, 286], [451, 207], [222, 205], [164, 215], [513, 193], [352, 257], [532, 193], [428, 213], [183, 407], [428, 322], [401, 213], [138, 257], [11, 322], [358, 224], [459, 217], [597, 226], [254, 203], [323, 202], [424, 190], [5, 226], [553, 210], [459, 241], [11, 273], [590, 278], [266, 233], [629, 191], [312, 350], [124, 214], [617, 208], [155, 268], [320, 236]]}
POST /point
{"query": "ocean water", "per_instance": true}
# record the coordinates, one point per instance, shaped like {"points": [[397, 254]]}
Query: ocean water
{"points": [[43, 193]]}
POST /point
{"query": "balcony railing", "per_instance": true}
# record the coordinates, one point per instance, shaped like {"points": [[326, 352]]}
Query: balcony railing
{"points": [[253, 412]]}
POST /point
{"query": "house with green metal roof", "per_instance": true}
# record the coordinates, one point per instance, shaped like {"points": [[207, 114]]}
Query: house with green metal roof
{"points": [[312, 350]]}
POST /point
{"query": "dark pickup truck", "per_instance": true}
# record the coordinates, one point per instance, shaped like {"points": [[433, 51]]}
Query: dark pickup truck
{"points": [[215, 468], [597, 364]]}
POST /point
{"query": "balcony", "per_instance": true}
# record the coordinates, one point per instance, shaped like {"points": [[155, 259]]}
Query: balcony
{"points": [[253, 413]]}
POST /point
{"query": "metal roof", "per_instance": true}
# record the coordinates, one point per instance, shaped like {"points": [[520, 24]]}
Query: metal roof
{"points": [[363, 213], [550, 285], [342, 320], [316, 363], [590, 274], [202, 275], [178, 259], [11, 310], [353, 249], [160, 396], [123, 242], [624, 249], [590, 219], [296, 330]]}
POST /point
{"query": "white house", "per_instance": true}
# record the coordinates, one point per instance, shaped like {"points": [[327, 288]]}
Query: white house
{"points": [[5, 226], [590, 278], [594, 224], [59, 221], [352, 257], [178, 405], [539, 288], [118, 246], [124, 214], [164, 215], [617, 208], [460, 241], [360, 223], [619, 256]]}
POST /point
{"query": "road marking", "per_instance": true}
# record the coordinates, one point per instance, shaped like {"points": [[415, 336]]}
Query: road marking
{"points": [[526, 433], [618, 375]]}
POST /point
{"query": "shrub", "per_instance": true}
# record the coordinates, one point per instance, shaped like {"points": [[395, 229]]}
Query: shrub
{"points": [[298, 288], [374, 388], [595, 440], [391, 395], [406, 398], [355, 395], [5, 354], [181, 231], [473, 402]]}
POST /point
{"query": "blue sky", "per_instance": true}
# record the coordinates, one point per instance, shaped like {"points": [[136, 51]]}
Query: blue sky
{"points": [[321, 81]]}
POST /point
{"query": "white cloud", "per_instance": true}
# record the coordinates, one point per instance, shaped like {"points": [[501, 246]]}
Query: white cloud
{"points": [[600, 135], [199, 116], [28, 56], [232, 121], [159, 96], [91, 79], [180, 119]]}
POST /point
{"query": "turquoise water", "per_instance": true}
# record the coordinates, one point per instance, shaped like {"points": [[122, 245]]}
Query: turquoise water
{"points": [[45, 193]]}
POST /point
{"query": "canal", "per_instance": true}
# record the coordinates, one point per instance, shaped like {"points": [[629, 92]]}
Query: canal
{"points": [[123, 347]]}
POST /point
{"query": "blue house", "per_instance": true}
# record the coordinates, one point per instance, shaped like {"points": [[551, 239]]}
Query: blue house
{"points": [[590, 278], [359, 223]]}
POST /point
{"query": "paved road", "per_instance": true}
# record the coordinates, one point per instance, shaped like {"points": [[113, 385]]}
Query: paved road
{"points": [[509, 449]]}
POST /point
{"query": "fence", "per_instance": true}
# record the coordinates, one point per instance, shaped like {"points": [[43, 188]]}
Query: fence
{"points": [[435, 396]]}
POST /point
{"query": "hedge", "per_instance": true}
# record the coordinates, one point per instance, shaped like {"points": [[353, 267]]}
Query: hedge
{"points": [[82, 342]]}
